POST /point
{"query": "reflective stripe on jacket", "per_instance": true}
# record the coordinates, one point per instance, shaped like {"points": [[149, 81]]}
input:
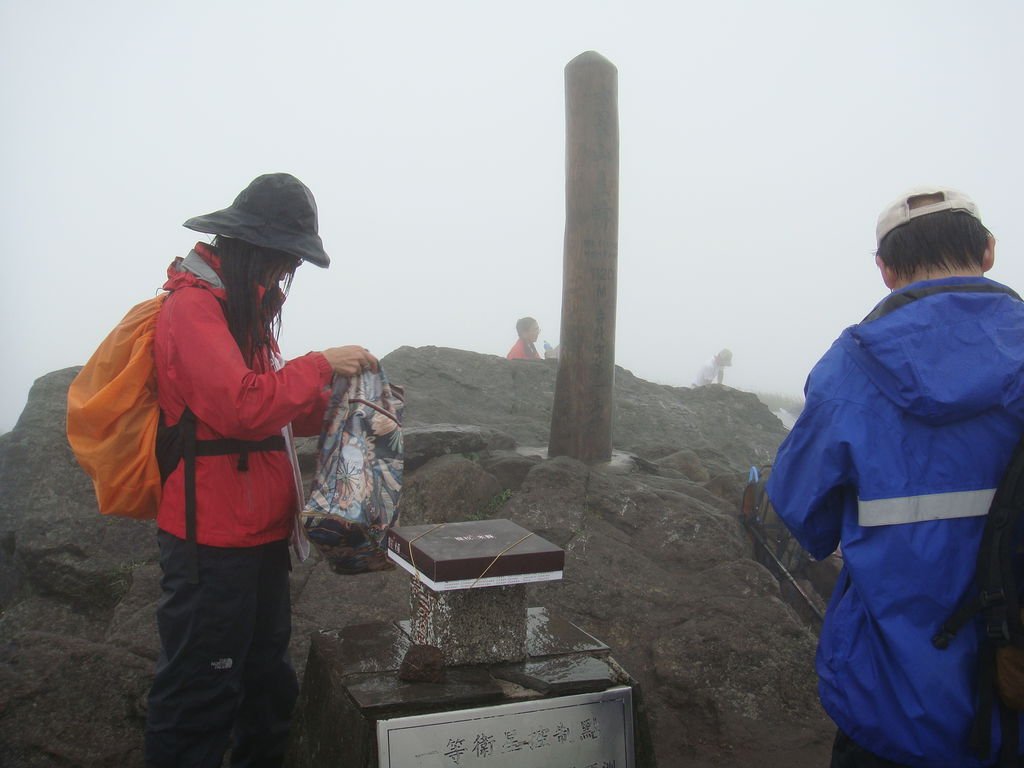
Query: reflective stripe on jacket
{"points": [[199, 364], [909, 422]]}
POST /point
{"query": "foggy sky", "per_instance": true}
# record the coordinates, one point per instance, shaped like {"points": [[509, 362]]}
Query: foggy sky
{"points": [[759, 141]]}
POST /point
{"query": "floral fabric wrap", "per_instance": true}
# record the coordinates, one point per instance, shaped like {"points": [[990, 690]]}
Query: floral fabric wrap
{"points": [[355, 494]]}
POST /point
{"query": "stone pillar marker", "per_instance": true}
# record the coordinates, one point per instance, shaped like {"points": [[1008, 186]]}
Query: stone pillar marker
{"points": [[475, 675], [581, 419]]}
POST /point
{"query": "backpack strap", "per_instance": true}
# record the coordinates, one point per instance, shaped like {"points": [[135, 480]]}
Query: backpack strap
{"points": [[179, 443], [1009, 723], [980, 737], [998, 603], [227, 446], [897, 300], [188, 434], [1009, 726]]}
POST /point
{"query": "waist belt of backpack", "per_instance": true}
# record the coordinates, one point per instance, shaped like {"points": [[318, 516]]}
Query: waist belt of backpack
{"points": [[190, 448]]}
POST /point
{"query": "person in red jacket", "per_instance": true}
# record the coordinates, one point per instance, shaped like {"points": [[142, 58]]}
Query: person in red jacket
{"points": [[525, 349], [224, 617]]}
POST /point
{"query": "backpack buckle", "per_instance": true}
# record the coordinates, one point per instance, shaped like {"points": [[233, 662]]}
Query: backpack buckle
{"points": [[997, 626], [997, 631], [990, 598]]}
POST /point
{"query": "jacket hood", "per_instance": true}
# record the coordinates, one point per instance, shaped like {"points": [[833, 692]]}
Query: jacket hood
{"points": [[951, 353], [201, 269], [197, 269]]}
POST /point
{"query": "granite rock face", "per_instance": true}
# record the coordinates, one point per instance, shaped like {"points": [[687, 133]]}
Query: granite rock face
{"points": [[728, 428], [657, 566]]}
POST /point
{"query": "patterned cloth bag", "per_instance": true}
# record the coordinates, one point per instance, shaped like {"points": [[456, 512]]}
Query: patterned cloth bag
{"points": [[355, 494]]}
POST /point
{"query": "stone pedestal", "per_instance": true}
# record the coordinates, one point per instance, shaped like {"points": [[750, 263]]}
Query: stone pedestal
{"points": [[470, 626], [351, 691]]}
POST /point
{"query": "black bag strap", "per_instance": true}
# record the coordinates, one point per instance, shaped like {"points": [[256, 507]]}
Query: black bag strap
{"points": [[980, 735], [998, 602], [188, 436], [178, 444], [227, 446], [897, 300], [1009, 726], [996, 599], [1009, 723]]}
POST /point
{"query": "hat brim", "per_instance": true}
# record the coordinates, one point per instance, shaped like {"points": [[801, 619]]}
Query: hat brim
{"points": [[231, 222]]}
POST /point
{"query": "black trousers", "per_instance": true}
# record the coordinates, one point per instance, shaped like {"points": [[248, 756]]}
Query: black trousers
{"points": [[224, 667], [846, 753]]}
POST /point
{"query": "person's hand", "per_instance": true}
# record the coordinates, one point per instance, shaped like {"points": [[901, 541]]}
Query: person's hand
{"points": [[350, 360]]}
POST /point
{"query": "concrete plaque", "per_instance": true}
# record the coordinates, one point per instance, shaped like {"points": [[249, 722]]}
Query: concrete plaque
{"points": [[590, 730]]}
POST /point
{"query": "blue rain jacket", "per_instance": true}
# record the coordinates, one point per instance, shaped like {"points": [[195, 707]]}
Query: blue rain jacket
{"points": [[909, 422]]}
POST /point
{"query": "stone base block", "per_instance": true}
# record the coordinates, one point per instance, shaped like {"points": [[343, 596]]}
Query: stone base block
{"points": [[351, 687], [471, 626]]}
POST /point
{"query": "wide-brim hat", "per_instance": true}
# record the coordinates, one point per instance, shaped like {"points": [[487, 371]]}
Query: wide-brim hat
{"points": [[275, 211]]}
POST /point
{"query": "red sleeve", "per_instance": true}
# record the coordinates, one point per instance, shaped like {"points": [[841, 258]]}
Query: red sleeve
{"points": [[518, 351], [312, 422], [206, 367]]}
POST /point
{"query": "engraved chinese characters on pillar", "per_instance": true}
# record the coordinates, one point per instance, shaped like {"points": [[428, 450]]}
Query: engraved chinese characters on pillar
{"points": [[581, 419], [510, 741]]}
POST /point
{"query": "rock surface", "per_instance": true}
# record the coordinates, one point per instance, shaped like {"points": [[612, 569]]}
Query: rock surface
{"points": [[657, 565]]}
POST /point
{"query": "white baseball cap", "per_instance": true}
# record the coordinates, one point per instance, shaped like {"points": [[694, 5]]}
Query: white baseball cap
{"points": [[899, 211]]}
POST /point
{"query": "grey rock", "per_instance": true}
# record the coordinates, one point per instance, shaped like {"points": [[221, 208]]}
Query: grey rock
{"points": [[650, 420], [687, 463], [423, 443], [508, 467], [69, 701], [657, 566], [63, 547], [447, 489]]}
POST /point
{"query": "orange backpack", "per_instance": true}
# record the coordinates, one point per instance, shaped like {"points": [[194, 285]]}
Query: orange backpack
{"points": [[113, 416]]}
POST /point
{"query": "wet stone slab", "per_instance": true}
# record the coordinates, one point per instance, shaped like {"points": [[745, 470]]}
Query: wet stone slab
{"points": [[364, 648], [575, 673], [548, 634], [379, 695]]}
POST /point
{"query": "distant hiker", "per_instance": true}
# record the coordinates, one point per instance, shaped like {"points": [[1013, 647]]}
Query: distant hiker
{"points": [[225, 614], [909, 422], [714, 371], [525, 348]]}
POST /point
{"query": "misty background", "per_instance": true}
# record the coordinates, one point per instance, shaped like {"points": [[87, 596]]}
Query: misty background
{"points": [[759, 141]]}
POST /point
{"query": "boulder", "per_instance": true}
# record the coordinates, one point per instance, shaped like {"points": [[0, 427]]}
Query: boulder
{"points": [[65, 700], [687, 463], [657, 566], [428, 442], [448, 489], [509, 468], [515, 397]]}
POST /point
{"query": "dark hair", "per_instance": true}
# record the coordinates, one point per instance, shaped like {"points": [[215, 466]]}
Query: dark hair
{"points": [[244, 268], [947, 240], [523, 324]]}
